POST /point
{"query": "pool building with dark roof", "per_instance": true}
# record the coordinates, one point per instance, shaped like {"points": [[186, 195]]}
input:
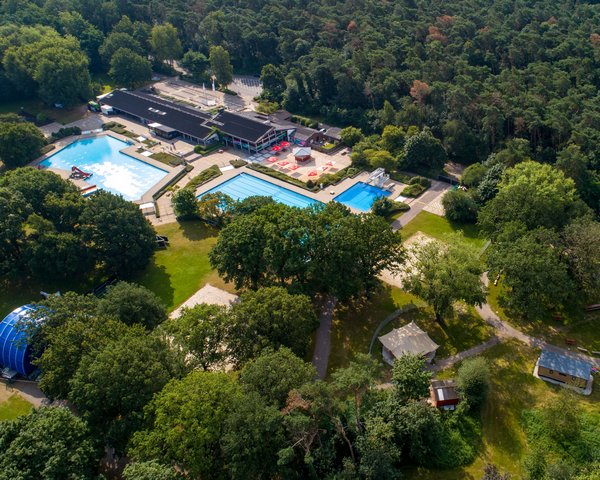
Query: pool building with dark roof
{"points": [[564, 369], [169, 120]]}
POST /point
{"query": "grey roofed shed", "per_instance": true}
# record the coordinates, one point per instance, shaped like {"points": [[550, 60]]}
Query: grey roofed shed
{"points": [[409, 339], [565, 364]]}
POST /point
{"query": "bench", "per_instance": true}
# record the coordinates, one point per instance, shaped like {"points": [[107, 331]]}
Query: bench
{"points": [[570, 341]]}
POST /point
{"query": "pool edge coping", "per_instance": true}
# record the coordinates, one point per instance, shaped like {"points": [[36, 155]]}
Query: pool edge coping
{"points": [[148, 195]]}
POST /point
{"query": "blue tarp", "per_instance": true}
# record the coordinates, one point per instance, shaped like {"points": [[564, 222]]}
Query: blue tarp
{"points": [[15, 353]]}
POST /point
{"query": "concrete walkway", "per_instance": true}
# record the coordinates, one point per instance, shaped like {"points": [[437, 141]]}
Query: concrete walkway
{"points": [[437, 188], [471, 352], [323, 338]]}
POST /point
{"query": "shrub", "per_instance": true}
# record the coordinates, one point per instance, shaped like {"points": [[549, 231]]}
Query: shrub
{"points": [[418, 180], [473, 381], [204, 176], [460, 206], [310, 184], [384, 207], [238, 163], [413, 190], [65, 132], [473, 175]]}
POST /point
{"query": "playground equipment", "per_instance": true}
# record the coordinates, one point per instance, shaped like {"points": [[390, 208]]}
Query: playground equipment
{"points": [[378, 177], [80, 174]]}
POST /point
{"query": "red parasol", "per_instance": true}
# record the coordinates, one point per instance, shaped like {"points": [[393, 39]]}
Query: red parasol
{"points": [[314, 173], [275, 148], [272, 159]]}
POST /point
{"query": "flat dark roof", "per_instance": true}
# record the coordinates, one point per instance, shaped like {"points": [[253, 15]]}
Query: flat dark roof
{"points": [[240, 126], [185, 119], [180, 118]]}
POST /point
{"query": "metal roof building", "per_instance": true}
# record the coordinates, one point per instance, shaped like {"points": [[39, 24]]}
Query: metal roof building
{"points": [[409, 339], [565, 364], [15, 352]]}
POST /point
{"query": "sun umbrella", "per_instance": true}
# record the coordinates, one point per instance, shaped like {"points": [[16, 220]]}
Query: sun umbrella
{"points": [[294, 167], [330, 163], [314, 173], [284, 144], [275, 148], [272, 159], [283, 164]]}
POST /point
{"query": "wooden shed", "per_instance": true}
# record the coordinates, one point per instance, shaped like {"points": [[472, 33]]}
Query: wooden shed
{"points": [[443, 394], [564, 369]]}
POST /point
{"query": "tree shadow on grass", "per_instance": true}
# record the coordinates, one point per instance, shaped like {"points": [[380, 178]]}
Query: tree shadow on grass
{"points": [[156, 279], [196, 230]]}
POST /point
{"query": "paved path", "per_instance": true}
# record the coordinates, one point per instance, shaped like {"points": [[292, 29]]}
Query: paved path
{"points": [[471, 352], [506, 331], [323, 338], [436, 189]]}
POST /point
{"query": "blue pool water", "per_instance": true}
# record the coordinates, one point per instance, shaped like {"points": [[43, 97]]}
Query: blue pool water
{"points": [[361, 196], [244, 185], [112, 170]]}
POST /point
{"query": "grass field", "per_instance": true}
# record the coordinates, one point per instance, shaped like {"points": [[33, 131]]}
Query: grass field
{"points": [[175, 273], [440, 227], [353, 326], [514, 390], [13, 407]]}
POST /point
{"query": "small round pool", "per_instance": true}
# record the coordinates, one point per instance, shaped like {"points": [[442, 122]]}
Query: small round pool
{"points": [[361, 196]]}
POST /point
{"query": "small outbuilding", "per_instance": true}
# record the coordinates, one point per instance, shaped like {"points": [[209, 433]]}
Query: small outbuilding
{"points": [[563, 369], [409, 339], [16, 354], [301, 154], [443, 394]]}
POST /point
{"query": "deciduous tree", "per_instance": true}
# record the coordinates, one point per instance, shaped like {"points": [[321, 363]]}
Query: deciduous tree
{"points": [[220, 65], [20, 143], [132, 304], [129, 69], [442, 274], [274, 373], [186, 423], [49, 442]]}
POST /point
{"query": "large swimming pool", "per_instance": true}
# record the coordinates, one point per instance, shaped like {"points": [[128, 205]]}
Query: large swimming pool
{"points": [[112, 170], [361, 196], [244, 185]]}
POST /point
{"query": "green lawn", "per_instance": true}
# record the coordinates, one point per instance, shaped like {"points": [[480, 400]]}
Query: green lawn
{"points": [[440, 227], [514, 390], [174, 273], [577, 325], [181, 269], [13, 407], [34, 107], [353, 326]]}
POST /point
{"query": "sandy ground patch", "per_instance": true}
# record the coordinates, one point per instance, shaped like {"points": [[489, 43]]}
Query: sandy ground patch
{"points": [[416, 240], [207, 294]]}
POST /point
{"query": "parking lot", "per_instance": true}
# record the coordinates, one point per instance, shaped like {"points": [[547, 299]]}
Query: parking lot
{"points": [[247, 87]]}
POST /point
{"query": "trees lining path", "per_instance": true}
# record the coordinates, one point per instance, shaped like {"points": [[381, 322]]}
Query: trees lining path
{"points": [[323, 337]]}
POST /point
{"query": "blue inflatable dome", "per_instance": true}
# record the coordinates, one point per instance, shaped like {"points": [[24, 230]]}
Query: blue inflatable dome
{"points": [[15, 353]]}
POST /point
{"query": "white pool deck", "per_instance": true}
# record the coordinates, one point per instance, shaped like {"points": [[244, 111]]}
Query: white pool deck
{"points": [[172, 172]]}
